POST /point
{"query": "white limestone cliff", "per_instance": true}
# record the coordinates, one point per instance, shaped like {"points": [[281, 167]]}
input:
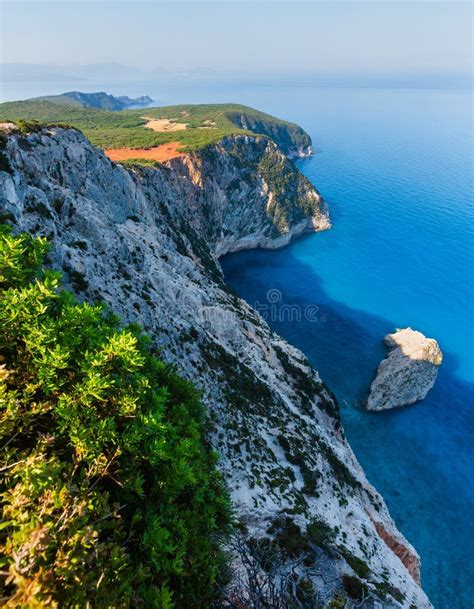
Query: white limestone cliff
{"points": [[146, 241]]}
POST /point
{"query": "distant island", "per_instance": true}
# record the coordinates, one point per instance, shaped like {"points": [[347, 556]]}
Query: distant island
{"points": [[100, 100]]}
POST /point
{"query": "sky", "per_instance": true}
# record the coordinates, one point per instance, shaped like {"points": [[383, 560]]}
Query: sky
{"points": [[258, 36]]}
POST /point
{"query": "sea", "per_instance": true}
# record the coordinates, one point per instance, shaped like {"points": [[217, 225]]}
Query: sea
{"points": [[395, 166]]}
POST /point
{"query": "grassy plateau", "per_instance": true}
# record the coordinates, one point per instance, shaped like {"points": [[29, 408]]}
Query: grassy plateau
{"points": [[205, 124]]}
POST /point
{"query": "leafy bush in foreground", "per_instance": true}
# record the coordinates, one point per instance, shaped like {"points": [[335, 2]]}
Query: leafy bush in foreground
{"points": [[109, 495]]}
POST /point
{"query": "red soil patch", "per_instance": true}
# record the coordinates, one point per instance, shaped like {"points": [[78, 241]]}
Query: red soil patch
{"points": [[161, 153], [410, 561]]}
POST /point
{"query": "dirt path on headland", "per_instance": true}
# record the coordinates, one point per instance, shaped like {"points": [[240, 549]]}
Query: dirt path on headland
{"points": [[164, 125], [161, 153]]}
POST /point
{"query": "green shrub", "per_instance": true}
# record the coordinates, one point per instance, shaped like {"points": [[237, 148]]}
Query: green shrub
{"points": [[320, 533], [385, 589], [358, 565], [109, 494], [28, 126], [354, 587], [4, 162]]}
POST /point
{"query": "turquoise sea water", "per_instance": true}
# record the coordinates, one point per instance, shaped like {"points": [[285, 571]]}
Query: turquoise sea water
{"points": [[395, 167]]}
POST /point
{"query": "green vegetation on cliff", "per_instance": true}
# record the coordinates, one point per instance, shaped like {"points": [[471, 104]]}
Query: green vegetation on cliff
{"points": [[205, 124], [108, 491]]}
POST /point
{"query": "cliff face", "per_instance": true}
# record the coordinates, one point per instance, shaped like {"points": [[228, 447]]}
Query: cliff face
{"points": [[292, 140], [147, 242], [244, 193]]}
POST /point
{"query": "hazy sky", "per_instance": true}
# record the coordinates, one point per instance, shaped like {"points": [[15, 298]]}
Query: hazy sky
{"points": [[255, 36]]}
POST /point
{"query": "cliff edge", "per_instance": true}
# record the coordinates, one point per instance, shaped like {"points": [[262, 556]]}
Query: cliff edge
{"points": [[147, 242]]}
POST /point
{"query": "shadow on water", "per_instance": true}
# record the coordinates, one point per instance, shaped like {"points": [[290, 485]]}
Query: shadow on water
{"points": [[407, 453]]}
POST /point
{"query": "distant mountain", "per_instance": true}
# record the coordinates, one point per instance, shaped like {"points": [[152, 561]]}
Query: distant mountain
{"points": [[29, 72], [97, 72], [99, 100]]}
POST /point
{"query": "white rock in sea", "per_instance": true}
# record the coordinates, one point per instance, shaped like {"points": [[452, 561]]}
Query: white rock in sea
{"points": [[408, 373]]}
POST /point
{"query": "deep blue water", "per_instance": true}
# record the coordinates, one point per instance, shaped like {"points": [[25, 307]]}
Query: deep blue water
{"points": [[395, 167]]}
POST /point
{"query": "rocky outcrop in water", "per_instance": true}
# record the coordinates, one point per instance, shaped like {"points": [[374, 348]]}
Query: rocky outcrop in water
{"points": [[147, 242], [408, 373]]}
